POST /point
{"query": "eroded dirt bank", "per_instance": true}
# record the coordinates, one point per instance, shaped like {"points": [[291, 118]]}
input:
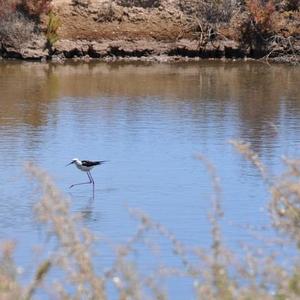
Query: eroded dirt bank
{"points": [[158, 30]]}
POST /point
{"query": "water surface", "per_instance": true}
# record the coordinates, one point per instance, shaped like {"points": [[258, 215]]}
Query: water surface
{"points": [[150, 121]]}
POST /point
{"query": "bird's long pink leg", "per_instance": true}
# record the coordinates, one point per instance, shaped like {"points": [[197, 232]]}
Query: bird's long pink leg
{"points": [[91, 181]]}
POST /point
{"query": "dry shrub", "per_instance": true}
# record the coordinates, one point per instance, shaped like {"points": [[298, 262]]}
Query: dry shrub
{"points": [[289, 5], [83, 3], [7, 7], [292, 5], [206, 18], [212, 11], [18, 20], [35, 8], [31, 8], [253, 27], [261, 14], [109, 11], [139, 3], [215, 11], [16, 29]]}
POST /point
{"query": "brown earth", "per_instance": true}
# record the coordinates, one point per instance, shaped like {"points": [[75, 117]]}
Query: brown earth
{"points": [[103, 20]]}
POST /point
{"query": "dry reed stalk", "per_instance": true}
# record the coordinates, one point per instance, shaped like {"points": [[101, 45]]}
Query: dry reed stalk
{"points": [[249, 154], [41, 272], [73, 254], [284, 207], [130, 283], [285, 202], [217, 275], [9, 287], [218, 283]]}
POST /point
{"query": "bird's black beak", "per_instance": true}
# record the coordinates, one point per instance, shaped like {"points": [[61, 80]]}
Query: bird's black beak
{"points": [[72, 162]]}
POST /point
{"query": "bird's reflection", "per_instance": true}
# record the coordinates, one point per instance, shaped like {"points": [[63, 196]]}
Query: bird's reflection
{"points": [[85, 204], [87, 210]]}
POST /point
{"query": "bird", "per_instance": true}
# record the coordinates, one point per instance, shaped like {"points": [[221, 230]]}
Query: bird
{"points": [[86, 166]]}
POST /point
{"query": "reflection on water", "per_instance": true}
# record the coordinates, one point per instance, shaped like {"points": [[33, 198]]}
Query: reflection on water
{"points": [[259, 93], [149, 121]]}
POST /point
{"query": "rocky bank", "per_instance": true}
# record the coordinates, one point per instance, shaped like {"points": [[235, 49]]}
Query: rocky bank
{"points": [[147, 30]]}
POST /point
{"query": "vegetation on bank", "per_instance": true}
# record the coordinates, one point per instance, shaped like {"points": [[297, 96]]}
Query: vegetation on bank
{"points": [[216, 274], [262, 27], [22, 21]]}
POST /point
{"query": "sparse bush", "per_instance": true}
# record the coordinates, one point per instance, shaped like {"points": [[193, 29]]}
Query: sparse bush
{"points": [[83, 3], [108, 12], [215, 11], [212, 11], [139, 3]]}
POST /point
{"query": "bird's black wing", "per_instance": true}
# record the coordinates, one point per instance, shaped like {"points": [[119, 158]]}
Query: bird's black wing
{"points": [[88, 163]]}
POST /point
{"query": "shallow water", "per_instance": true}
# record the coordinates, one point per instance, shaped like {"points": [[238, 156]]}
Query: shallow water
{"points": [[150, 121]]}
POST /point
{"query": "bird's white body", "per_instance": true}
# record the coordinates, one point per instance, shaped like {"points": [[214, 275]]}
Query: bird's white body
{"points": [[86, 166], [81, 167]]}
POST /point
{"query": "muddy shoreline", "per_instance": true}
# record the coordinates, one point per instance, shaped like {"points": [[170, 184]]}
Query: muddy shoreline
{"points": [[183, 50]]}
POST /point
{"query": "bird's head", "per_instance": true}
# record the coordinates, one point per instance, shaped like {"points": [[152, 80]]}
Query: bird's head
{"points": [[72, 161]]}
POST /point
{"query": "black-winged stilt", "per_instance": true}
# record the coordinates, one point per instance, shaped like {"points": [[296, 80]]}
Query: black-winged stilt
{"points": [[85, 166]]}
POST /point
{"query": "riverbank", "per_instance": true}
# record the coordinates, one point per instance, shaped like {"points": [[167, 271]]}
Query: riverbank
{"points": [[157, 31]]}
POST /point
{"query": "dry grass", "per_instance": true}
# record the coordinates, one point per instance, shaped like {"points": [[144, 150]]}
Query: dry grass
{"points": [[216, 274]]}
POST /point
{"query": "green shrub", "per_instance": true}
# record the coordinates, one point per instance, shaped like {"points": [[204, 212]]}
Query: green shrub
{"points": [[52, 27]]}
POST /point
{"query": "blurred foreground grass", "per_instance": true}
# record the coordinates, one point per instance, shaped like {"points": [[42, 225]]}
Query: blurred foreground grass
{"points": [[217, 274]]}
